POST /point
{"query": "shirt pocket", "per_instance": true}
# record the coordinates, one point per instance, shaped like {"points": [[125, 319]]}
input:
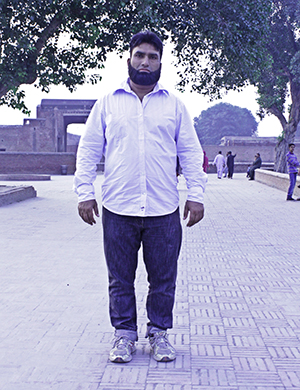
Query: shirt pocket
{"points": [[116, 128]]}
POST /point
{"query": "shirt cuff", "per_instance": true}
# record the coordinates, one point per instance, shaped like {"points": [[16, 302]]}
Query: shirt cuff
{"points": [[196, 194], [85, 192]]}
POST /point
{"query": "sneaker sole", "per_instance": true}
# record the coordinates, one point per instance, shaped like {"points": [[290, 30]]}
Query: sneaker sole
{"points": [[164, 359], [121, 360]]}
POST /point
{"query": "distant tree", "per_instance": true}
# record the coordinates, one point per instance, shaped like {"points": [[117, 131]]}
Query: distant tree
{"points": [[224, 119]]}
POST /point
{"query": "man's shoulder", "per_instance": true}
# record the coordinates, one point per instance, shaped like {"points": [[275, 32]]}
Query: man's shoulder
{"points": [[114, 93]]}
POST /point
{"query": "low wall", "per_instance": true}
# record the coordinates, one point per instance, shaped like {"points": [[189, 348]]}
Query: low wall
{"points": [[9, 194], [277, 180], [36, 163], [50, 163], [243, 152], [239, 167]]}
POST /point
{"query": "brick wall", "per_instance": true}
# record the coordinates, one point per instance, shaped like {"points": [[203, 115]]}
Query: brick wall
{"points": [[38, 163], [243, 153]]}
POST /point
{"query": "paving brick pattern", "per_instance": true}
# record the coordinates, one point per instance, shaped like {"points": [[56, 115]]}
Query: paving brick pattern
{"points": [[237, 311]]}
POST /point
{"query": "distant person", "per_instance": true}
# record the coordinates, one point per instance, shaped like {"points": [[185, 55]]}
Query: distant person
{"points": [[225, 171], [255, 165], [293, 167], [219, 162], [230, 164], [205, 162], [178, 168]]}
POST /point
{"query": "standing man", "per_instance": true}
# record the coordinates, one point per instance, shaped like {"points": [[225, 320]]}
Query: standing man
{"points": [[219, 162], [230, 164], [205, 164], [141, 128], [255, 165], [293, 166]]}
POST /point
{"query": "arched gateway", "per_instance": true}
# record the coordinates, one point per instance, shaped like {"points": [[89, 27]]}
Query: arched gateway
{"points": [[54, 116]]}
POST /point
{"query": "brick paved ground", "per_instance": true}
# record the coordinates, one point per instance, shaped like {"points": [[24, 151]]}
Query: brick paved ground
{"points": [[237, 314]]}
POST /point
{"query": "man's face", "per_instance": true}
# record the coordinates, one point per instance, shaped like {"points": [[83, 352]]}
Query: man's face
{"points": [[145, 58], [292, 148], [144, 65]]}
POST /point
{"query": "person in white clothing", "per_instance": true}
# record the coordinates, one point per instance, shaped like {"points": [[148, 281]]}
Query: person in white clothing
{"points": [[219, 162], [141, 129]]}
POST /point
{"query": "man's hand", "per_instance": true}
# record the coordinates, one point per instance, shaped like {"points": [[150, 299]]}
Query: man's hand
{"points": [[87, 209], [196, 211]]}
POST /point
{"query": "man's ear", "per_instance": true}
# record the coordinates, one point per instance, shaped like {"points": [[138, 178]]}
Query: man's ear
{"points": [[128, 61]]}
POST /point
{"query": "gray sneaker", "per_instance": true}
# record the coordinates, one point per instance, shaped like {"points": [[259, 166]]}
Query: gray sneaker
{"points": [[161, 348], [122, 350]]}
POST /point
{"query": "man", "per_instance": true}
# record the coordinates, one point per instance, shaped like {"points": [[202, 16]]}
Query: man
{"points": [[293, 164], [230, 164], [205, 164], [219, 162], [141, 128], [255, 165]]}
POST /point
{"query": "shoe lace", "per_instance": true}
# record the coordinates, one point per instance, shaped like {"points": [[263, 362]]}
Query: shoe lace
{"points": [[161, 338], [122, 342]]}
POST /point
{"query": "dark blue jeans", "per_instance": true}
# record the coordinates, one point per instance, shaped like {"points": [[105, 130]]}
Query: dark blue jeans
{"points": [[293, 178], [161, 240]]}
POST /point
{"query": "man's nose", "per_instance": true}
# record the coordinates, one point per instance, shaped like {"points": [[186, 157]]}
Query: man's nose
{"points": [[145, 61]]}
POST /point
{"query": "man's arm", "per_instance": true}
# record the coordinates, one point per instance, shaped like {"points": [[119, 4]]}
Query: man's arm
{"points": [[190, 156], [89, 154], [292, 160], [195, 210]]}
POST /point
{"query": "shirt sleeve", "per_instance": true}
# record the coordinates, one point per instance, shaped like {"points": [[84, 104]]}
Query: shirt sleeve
{"points": [[292, 160], [190, 155], [89, 154]]}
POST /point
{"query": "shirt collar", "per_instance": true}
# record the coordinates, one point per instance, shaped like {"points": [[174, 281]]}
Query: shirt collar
{"points": [[126, 87]]}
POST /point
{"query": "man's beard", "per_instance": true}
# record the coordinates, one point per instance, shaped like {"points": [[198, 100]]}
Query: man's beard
{"points": [[143, 78]]}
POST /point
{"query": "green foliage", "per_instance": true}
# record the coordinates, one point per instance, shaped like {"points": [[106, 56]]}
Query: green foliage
{"points": [[220, 43], [224, 119], [283, 50], [50, 42]]}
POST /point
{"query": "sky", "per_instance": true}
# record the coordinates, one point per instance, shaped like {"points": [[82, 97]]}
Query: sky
{"points": [[116, 71]]}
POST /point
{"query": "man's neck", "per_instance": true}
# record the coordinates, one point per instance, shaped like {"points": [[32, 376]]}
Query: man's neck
{"points": [[141, 90]]}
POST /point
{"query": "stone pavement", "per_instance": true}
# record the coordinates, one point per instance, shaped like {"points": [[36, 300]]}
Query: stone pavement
{"points": [[237, 313]]}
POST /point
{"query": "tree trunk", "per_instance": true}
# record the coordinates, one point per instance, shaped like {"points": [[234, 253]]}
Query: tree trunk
{"points": [[282, 147], [289, 129]]}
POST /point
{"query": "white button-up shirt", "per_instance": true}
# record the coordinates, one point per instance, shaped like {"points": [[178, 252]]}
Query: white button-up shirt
{"points": [[140, 141]]}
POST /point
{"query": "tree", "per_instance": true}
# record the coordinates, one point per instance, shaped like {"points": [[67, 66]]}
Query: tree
{"points": [[224, 119], [32, 49], [280, 79], [226, 37], [274, 69]]}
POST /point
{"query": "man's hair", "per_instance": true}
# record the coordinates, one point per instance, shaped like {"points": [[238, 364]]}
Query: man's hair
{"points": [[291, 145], [146, 37], [258, 154]]}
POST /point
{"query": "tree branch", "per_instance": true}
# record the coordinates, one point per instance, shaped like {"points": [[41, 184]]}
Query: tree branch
{"points": [[30, 62], [275, 111], [48, 31]]}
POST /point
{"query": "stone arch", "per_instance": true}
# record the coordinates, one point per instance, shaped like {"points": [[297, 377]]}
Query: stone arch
{"points": [[58, 114]]}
